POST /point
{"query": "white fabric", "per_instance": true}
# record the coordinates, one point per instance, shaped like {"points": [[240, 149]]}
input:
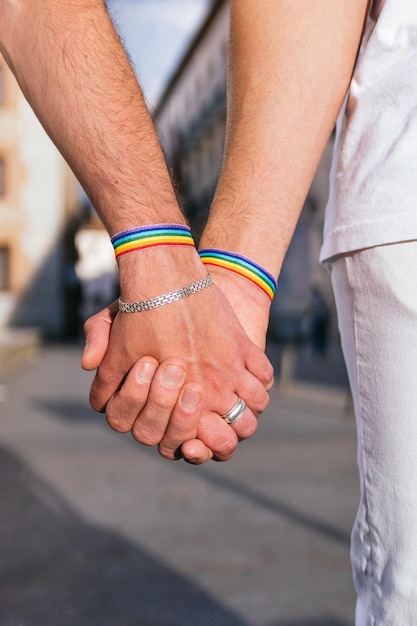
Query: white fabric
{"points": [[376, 298], [373, 187], [372, 207]]}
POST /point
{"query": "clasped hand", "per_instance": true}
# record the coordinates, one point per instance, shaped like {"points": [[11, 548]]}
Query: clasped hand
{"points": [[168, 375]]}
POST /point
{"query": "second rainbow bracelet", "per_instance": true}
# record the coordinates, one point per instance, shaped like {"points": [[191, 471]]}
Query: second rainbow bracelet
{"points": [[240, 265]]}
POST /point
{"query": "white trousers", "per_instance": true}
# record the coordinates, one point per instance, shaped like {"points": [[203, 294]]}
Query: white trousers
{"points": [[376, 299]]}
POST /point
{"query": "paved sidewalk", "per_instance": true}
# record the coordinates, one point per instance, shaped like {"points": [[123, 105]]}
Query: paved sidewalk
{"points": [[96, 530]]}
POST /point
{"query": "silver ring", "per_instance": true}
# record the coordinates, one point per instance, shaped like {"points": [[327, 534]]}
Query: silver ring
{"points": [[235, 413]]}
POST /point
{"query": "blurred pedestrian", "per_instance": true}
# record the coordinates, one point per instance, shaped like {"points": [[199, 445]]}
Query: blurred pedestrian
{"points": [[316, 322]]}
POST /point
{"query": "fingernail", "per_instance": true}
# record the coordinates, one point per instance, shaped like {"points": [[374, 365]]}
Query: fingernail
{"points": [[145, 373], [86, 345], [172, 376], [189, 400]]}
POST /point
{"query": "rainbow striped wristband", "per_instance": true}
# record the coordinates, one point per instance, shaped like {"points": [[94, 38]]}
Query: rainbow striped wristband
{"points": [[150, 236], [240, 265]]}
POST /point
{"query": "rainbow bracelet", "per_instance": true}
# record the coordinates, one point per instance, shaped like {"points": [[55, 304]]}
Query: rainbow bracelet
{"points": [[240, 265], [150, 236]]}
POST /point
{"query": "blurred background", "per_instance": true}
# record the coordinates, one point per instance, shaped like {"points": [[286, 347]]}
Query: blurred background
{"points": [[94, 529]]}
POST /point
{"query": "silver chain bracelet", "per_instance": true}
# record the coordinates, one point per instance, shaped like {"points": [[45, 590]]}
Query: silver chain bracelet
{"points": [[166, 298]]}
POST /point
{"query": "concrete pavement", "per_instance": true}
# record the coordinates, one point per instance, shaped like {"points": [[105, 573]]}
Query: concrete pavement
{"points": [[96, 530]]}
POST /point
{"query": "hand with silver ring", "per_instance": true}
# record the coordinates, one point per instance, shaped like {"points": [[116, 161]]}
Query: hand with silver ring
{"points": [[141, 397], [151, 401], [196, 424], [235, 413]]}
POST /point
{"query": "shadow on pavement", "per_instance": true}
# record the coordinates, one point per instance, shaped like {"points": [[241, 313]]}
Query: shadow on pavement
{"points": [[78, 411], [72, 410], [315, 621], [55, 568], [328, 531]]}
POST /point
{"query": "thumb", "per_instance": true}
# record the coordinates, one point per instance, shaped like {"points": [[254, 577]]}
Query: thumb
{"points": [[196, 452], [97, 334]]}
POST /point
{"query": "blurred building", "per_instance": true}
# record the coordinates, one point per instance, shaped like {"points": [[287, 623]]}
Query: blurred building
{"points": [[191, 115], [190, 119], [39, 204]]}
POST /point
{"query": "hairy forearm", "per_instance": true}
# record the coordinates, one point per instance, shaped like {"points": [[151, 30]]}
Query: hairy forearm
{"points": [[75, 74], [290, 67]]}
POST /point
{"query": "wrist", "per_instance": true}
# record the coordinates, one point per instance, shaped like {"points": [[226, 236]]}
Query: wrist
{"points": [[149, 273], [242, 266], [150, 236], [250, 304], [256, 242]]}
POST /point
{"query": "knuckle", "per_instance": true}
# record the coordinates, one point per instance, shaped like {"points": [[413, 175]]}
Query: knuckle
{"points": [[95, 402], [228, 446], [182, 430], [145, 437], [259, 399], [168, 453], [101, 390], [133, 397], [162, 405], [264, 369], [269, 373], [118, 424], [162, 401], [96, 406], [106, 378], [264, 403], [248, 428]]}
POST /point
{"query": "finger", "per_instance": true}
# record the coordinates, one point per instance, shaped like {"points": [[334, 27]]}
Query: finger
{"points": [[253, 392], [259, 365], [195, 452], [97, 333], [124, 407], [107, 381], [245, 426], [217, 436], [183, 424], [151, 424], [217, 439]]}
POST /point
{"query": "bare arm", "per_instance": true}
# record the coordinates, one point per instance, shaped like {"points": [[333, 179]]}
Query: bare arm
{"points": [[75, 74], [290, 67], [73, 70]]}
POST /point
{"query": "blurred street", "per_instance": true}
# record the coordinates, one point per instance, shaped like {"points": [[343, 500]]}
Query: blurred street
{"points": [[96, 530]]}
